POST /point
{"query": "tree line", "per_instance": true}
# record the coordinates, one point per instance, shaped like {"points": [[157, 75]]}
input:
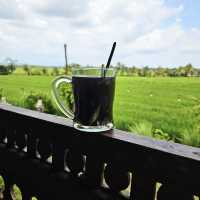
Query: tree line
{"points": [[182, 71], [123, 70]]}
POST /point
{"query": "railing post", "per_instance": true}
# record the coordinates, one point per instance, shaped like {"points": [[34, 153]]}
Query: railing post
{"points": [[31, 145], [58, 156], [143, 187], [94, 171]]}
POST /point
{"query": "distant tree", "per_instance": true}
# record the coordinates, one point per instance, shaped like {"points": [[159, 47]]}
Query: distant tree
{"points": [[36, 71], [150, 73], [55, 71], [123, 69], [195, 72], [4, 70], [120, 65], [180, 71], [134, 71], [75, 65], [171, 72], [11, 64], [27, 69], [160, 71], [198, 72], [44, 71], [140, 72], [146, 71], [189, 70]]}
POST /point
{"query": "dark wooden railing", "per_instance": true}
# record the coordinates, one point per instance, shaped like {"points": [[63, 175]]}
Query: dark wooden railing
{"points": [[48, 159]]}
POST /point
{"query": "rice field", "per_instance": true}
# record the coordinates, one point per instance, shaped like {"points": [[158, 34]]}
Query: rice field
{"points": [[167, 107]]}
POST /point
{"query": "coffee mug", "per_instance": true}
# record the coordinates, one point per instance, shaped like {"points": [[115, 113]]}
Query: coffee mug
{"points": [[93, 91]]}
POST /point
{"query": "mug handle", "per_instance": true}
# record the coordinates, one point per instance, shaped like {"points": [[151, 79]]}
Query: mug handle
{"points": [[55, 84]]}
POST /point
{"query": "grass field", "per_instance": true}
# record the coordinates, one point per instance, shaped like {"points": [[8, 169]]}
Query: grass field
{"points": [[144, 105]]}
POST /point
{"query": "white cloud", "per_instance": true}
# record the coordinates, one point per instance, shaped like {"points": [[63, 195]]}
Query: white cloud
{"points": [[9, 9], [159, 40], [60, 8], [34, 31], [173, 38]]}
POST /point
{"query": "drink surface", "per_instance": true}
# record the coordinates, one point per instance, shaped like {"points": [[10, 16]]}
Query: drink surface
{"points": [[93, 98]]}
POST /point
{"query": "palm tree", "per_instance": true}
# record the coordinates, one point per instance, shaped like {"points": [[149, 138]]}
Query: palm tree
{"points": [[11, 64]]}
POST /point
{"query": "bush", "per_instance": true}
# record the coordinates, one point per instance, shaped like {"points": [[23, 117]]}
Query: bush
{"points": [[142, 128], [31, 100], [36, 71], [191, 137], [65, 93], [55, 71], [159, 134], [146, 128], [4, 70], [122, 125], [44, 71], [27, 69]]}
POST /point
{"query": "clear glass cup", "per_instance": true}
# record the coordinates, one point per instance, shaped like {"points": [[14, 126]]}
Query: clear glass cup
{"points": [[93, 91]]}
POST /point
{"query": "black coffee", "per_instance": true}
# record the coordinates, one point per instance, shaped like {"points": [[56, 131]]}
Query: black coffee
{"points": [[93, 98]]}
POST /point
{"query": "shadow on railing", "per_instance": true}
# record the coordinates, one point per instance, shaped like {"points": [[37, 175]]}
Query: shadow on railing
{"points": [[48, 159]]}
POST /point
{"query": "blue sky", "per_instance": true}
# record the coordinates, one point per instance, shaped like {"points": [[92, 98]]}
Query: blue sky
{"points": [[147, 32], [190, 15]]}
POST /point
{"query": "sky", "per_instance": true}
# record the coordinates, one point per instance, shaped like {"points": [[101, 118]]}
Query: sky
{"points": [[147, 32]]}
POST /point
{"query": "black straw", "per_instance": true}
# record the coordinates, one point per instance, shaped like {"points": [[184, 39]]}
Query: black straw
{"points": [[109, 60], [111, 55]]}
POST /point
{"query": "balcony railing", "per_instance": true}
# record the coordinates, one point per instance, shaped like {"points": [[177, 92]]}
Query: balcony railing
{"points": [[48, 159]]}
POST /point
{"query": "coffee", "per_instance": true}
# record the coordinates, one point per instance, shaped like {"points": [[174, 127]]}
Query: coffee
{"points": [[93, 92], [93, 98]]}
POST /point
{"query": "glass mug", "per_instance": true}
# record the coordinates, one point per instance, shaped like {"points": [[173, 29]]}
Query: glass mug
{"points": [[93, 90]]}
